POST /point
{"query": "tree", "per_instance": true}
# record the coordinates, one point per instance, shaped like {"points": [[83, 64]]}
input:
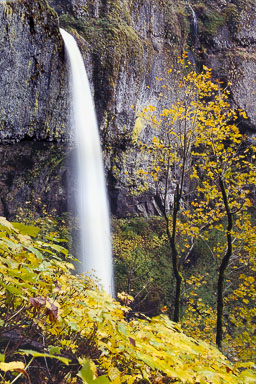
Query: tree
{"points": [[241, 300], [171, 160], [201, 143], [227, 173]]}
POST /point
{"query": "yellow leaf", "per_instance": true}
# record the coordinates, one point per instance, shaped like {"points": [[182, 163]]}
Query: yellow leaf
{"points": [[114, 374], [7, 224], [13, 366]]}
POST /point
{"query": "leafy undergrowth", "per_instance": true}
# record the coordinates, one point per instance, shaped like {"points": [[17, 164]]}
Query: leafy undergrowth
{"points": [[58, 327]]}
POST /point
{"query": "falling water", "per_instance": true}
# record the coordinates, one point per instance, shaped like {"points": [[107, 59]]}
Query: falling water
{"points": [[92, 200], [195, 26]]}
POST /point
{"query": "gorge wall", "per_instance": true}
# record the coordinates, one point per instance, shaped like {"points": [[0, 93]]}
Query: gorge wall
{"points": [[126, 45], [33, 73], [34, 108]]}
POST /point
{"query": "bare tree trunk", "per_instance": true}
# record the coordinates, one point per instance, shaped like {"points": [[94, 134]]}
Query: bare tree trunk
{"points": [[223, 267], [174, 253]]}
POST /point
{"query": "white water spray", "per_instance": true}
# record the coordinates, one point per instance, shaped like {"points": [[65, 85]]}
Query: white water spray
{"points": [[96, 253], [195, 25]]}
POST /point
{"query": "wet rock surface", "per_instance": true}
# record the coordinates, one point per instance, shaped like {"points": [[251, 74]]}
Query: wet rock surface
{"points": [[33, 177], [33, 74], [128, 44]]}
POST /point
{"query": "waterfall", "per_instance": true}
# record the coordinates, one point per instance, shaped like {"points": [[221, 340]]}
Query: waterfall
{"points": [[95, 236], [195, 24]]}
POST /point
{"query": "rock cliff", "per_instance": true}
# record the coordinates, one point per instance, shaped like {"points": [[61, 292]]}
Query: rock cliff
{"points": [[126, 44], [33, 178], [33, 76], [34, 107]]}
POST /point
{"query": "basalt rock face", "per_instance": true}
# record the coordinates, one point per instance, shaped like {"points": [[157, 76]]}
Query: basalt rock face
{"points": [[226, 43], [33, 75], [128, 44], [34, 106], [33, 176]]}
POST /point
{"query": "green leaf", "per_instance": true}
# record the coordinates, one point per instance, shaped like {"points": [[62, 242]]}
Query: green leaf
{"points": [[122, 329], [23, 274], [53, 349], [102, 380], [24, 229], [11, 244], [2, 357], [56, 247], [39, 354], [74, 326], [34, 251], [57, 240], [86, 373], [15, 291]]}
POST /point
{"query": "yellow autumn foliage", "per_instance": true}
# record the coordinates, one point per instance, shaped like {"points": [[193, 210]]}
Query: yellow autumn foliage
{"points": [[85, 331]]}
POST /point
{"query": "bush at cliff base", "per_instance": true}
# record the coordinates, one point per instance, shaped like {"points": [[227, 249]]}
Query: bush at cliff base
{"points": [[59, 327]]}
